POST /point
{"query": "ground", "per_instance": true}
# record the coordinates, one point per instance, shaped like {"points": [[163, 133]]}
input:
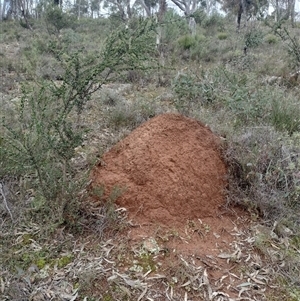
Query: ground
{"points": [[166, 233]]}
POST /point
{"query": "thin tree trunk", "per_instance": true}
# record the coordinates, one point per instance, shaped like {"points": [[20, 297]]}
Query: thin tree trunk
{"points": [[244, 9], [78, 13], [239, 16], [192, 26], [292, 12], [146, 8], [277, 11], [3, 10]]}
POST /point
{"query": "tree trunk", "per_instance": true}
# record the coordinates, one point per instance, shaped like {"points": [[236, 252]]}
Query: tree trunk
{"points": [[129, 12], [244, 9], [79, 6], [192, 26], [146, 8], [239, 16], [3, 10], [160, 16], [277, 11], [292, 11]]}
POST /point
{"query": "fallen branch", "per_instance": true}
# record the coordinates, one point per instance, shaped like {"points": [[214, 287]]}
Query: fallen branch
{"points": [[5, 202]]}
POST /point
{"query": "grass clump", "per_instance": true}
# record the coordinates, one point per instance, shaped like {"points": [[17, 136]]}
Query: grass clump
{"points": [[222, 36], [131, 114], [186, 89], [285, 116], [270, 39], [267, 172], [186, 42]]}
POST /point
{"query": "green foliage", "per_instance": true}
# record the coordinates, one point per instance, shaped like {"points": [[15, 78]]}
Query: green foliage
{"points": [[42, 141], [10, 31], [88, 26], [247, 106], [146, 262], [292, 44], [115, 19], [237, 92], [187, 91], [215, 20], [186, 42], [206, 49], [222, 36], [173, 27], [64, 260], [56, 19], [200, 16], [285, 116], [267, 172], [197, 47], [253, 38]]}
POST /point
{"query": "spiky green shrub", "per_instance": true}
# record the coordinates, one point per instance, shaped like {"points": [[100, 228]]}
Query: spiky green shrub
{"points": [[40, 142], [186, 42], [186, 87], [253, 38], [173, 27], [56, 19]]}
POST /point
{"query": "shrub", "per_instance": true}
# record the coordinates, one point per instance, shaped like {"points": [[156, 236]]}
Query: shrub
{"points": [[56, 19], [186, 42], [187, 90], [253, 38], [200, 16], [270, 39], [285, 116], [131, 115], [263, 164], [292, 44], [200, 38], [222, 36], [207, 50], [215, 20], [172, 28], [41, 141]]}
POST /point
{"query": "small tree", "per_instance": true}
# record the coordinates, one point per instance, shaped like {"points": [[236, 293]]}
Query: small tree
{"points": [[56, 19], [41, 142]]}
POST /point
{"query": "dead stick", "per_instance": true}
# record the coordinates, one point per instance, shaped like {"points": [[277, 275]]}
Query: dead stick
{"points": [[5, 202]]}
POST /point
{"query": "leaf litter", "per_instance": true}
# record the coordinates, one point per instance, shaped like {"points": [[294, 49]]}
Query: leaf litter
{"points": [[250, 277]]}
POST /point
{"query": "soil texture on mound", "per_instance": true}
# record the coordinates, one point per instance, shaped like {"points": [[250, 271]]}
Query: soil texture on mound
{"points": [[169, 171]]}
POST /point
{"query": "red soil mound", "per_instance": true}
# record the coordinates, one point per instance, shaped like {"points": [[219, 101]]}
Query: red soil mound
{"points": [[170, 168]]}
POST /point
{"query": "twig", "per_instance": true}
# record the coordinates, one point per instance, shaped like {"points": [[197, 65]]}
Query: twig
{"points": [[5, 202]]}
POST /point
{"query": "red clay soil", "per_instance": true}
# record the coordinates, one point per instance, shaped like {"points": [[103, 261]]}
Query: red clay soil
{"points": [[174, 180], [170, 169]]}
